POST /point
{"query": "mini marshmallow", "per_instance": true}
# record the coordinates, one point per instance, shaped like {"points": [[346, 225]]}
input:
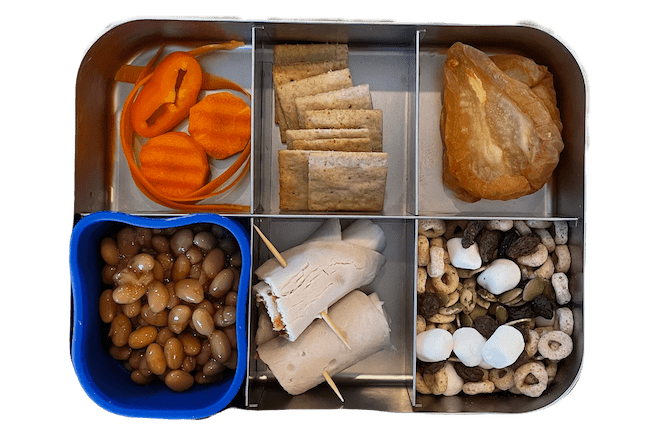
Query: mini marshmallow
{"points": [[500, 276], [468, 346], [463, 258], [455, 382], [434, 345], [503, 347]]}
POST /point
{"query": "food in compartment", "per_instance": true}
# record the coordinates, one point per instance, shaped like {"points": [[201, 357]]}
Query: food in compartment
{"points": [[221, 123], [323, 276], [319, 272], [170, 303], [314, 91], [500, 125], [299, 365], [166, 94], [502, 324]]}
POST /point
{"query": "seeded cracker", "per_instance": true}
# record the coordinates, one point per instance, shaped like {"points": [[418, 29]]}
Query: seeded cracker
{"points": [[339, 144], [297, 71], [287, 93], [355, 98], [370, 119], [354, 181], [313, 134], [293, 174]]}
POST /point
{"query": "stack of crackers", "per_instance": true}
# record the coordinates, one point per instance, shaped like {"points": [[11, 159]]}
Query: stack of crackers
{"points": [[334, 159]]}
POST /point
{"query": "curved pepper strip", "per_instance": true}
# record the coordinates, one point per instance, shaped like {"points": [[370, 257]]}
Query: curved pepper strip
{"points": [[126, 138], [165, 100]]}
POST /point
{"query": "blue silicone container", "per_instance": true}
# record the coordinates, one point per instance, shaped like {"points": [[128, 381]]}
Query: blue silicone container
{"points": [[104, 379]]}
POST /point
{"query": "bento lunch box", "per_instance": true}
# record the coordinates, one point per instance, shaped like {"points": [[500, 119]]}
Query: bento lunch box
{"points": [[403, 64]]}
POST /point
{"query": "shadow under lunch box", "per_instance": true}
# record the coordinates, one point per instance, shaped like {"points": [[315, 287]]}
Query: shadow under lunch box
{"points": [[403, 64]]}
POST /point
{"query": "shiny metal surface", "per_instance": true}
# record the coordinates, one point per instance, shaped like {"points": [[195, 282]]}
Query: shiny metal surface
{"points": [[402, 64]]}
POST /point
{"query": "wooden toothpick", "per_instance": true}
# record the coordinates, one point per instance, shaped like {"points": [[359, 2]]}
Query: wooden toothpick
{"points": [[335, 329], [332, 385], [271, 247]]}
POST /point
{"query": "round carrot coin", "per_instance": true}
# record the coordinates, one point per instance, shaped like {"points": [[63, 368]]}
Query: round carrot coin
{"points": [[221, 123], [174, 163]]}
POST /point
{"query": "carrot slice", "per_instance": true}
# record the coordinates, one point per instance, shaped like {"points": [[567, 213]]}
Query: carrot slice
{"points": [[174, 163], [143, 184], [221, 123]]}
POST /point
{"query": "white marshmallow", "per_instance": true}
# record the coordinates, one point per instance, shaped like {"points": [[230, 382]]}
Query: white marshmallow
{"points": [[455, 382], [503, 347], [434, 345], [463, 258], [500, 276], [468, 346]]}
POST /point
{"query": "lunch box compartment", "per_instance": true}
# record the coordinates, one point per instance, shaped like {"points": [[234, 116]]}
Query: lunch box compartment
{"points": [[387, 372], [403, 65]]}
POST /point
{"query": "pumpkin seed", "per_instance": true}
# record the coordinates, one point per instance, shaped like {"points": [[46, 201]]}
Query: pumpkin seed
{"points": [[501, 314], [466, 320], [510, 295], [477, 311], [533, 289], [453, 309], [490, 297]]}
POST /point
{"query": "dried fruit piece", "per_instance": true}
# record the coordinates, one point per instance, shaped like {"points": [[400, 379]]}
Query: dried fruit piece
{"points": [[486, 325], [488, 242], [523, 246], [469, 374], [506, 240], [542, 306], [428, 305], [470, 232]]}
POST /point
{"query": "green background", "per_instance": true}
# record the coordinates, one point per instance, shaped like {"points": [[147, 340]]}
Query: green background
{"points": [[42, 45]]}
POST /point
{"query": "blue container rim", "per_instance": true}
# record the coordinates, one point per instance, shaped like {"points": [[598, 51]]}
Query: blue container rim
{"points": [[77, 340]]}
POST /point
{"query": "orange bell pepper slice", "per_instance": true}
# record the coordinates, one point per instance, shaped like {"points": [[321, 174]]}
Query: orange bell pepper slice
{"points": [[165, 100]]}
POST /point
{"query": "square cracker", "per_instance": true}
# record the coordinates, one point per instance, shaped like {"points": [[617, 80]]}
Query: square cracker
{"points": [[293, 174], [370, 119], [351, 181], [327, 82], [329, 144], [297, 71], [354, 98], [285, 54], [313, 134]]}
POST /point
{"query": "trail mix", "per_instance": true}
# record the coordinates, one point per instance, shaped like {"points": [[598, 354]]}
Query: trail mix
{"points": [[494, 306]]}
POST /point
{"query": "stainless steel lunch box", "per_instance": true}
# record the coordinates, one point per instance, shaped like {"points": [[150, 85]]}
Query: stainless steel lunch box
{"points": [[403, 64]]}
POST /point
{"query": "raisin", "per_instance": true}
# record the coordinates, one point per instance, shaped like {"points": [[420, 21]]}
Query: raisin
{"points": [[488, 242], [521, 312], [428, 305], [506, 240], [486, 325], [523, 246], [430, 367], [469, 374], [542, 306], [470, 232]]}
